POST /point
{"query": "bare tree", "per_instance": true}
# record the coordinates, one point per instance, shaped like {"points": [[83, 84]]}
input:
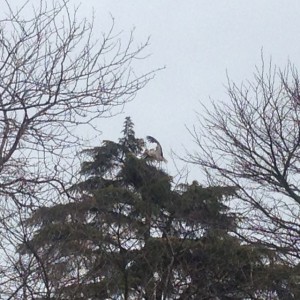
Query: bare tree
{"points": [[57, 76], [252, 141]]}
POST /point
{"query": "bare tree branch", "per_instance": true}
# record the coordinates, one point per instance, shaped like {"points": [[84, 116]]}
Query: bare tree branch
{"points": [[253, 142], [58, 76]]}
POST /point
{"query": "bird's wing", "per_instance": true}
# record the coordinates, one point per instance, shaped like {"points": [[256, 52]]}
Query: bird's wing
{"points": [[152, 139], [160, 149]]}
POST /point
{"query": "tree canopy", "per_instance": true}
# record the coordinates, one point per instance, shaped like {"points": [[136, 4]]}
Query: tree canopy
{"points": [[118, 227], [130, 233]]}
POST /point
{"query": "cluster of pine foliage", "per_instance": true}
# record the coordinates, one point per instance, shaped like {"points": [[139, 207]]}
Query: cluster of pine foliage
{"points": [[128, 232]]}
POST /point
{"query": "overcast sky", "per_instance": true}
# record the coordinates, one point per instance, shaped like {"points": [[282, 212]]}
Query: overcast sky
{"points": [[197, 41]]}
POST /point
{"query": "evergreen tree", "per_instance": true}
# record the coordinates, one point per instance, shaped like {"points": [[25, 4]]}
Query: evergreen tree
{"points": [[132, 235]]}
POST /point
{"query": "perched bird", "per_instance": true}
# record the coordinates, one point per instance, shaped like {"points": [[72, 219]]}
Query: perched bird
{"points": [[154, 154]]}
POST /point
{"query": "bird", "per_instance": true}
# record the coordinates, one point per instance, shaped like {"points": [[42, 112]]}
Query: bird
{"points": [[154, 154]]}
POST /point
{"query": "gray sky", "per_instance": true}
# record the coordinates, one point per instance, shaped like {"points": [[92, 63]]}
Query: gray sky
{"points": [[197, 41]]}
